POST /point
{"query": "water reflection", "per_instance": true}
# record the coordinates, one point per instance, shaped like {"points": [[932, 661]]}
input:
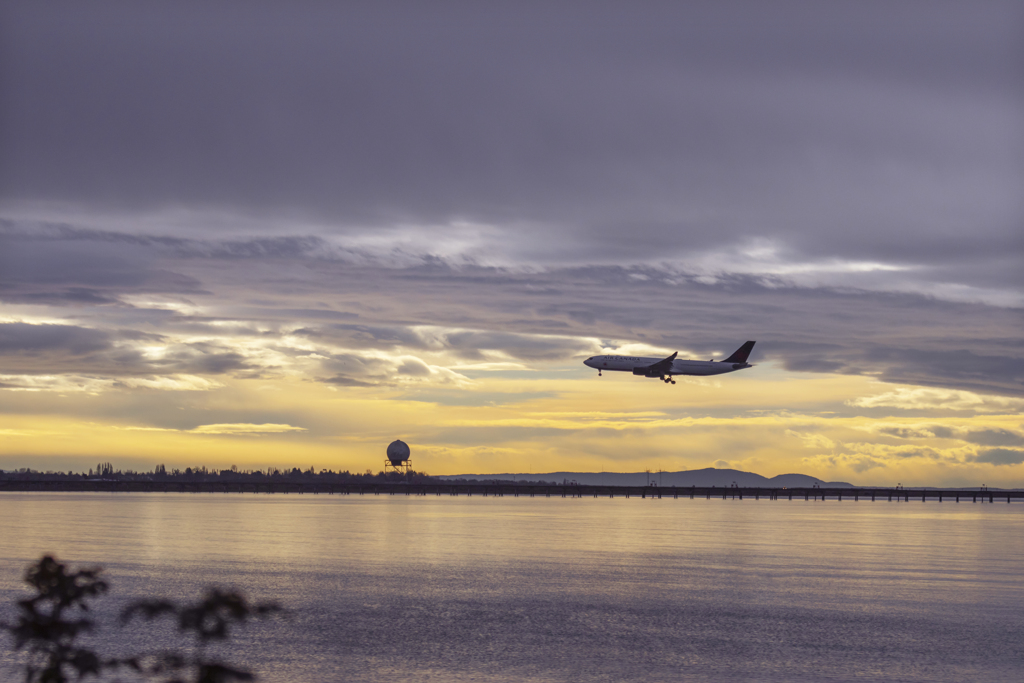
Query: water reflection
{"points": [[443, 588]]}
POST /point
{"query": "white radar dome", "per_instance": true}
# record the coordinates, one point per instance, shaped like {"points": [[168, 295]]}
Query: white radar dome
{"points": [[398, 452]]}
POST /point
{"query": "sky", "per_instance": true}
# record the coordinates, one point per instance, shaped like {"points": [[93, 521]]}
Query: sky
{"points": [[284, 234]]}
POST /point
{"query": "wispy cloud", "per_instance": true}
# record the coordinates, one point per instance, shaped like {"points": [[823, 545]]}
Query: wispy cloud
{"points": [[245, 429], [233, 429], [92, 385], [919, 398]]}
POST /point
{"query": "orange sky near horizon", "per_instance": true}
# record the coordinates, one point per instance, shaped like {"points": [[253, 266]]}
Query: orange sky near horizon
{"points": [[562, 418]]}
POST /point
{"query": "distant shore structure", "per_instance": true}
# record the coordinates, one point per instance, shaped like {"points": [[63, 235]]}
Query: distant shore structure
{"points": [[398, 458]]}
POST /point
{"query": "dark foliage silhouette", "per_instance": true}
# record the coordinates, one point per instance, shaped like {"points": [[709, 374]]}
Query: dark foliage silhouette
{"points": [[49, 624], [208, 620]]}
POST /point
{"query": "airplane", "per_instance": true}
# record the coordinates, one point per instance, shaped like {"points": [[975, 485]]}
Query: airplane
{"points": [[665, 368]]}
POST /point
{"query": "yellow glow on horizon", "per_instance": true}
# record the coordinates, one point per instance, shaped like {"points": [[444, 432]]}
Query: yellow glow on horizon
{"points": [[769, 422]]}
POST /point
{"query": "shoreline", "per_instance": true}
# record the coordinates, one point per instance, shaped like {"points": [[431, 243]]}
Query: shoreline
{"points": [[855, 494]]}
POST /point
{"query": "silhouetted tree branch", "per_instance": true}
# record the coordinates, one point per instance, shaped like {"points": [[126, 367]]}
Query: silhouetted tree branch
{"points": [[207, 620], [49, 623]]}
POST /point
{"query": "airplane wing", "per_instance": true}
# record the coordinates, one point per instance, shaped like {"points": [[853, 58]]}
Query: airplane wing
{"points": [[663, 367]]}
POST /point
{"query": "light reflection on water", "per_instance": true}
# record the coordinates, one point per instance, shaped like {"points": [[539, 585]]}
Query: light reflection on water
{"points": [[551, 589]]}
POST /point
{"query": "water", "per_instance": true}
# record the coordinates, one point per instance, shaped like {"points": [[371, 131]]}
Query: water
{"points": [[548, 589]]}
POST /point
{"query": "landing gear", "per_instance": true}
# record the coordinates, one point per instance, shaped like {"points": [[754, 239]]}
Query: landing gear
{"points": [[668, 380], [599, 372]]}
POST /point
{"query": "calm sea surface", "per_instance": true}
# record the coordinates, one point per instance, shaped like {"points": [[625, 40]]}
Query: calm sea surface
{"points": [[550, 589]]}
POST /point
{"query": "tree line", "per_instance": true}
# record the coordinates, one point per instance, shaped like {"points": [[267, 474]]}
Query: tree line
{"points": [[202, 473]]}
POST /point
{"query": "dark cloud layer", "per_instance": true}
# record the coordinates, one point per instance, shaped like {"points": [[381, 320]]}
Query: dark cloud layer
{"points": [[45, 348], [19, 338], [541, 316], [1000, 456], [522, 181], [958, 368], [995, 437], [63, 266], [471, 311], [845, 127]]}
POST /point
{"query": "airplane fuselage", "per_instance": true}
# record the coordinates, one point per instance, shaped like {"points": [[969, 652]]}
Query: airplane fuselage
{"points": [[638, 365], [665, 368]]}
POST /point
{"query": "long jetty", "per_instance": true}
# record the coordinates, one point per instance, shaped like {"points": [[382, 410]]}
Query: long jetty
{"points": [[854, 494]]}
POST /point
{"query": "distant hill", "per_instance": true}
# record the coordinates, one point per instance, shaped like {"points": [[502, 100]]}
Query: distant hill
{"points": [[705, 477]]}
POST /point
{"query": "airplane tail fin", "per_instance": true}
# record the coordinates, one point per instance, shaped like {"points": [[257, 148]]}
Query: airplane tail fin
{"points": [[741, 354]]}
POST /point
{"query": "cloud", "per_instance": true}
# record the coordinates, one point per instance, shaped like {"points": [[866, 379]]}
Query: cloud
{"points": [[25, 339], [465, 344], [245, 429], [170, 383], [910, 398], [984, 437], [72, 383], [905, 432], [534, 318], [65, 266], [592, 130], [997, 373], [204, 358], [994, 437], [344, 381], [837, 154], [49, 348], [413, 367], [813, 440], [354, 369], [1000, 456], [231, 429], [528, 347], [855, 462], [64, 296]]}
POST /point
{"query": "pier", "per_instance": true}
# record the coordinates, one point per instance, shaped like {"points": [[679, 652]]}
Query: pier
{"points": [[852, 495]]}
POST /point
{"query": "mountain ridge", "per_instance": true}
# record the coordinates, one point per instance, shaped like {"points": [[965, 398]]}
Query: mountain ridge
{"points": [[709, 476]]}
